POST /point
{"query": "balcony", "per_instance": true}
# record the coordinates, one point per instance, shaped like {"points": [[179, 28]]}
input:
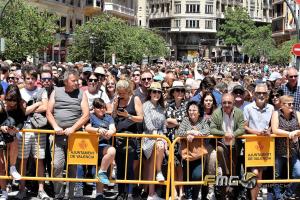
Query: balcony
{"points": [[159, 15], [119, 10], [92, 7]]}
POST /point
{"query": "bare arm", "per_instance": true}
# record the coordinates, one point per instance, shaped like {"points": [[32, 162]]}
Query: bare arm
{"points": [[49, 114], [43, 107], [139, 110], [275, 125]]}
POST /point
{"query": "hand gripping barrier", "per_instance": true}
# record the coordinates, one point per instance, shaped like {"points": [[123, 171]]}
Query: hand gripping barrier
{"points": [[259, 151], [86, 141]]}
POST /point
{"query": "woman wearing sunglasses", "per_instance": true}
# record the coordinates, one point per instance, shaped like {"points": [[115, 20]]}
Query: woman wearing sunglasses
{"points": [[154, 123], [286, 121], [94, 91], [275, 94], [175, 112], [12, 117], [12, 79]]}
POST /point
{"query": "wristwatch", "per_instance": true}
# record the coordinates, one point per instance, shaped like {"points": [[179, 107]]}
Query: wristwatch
{"points": [[129, 116]]}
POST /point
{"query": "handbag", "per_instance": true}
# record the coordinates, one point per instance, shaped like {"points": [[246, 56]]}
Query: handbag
{"points": [[38, 120], [196, 149]]}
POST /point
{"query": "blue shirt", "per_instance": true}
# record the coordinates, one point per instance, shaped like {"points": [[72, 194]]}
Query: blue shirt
{"points": [[4, 86], [217, 95], [258, 119], [101, 123]]}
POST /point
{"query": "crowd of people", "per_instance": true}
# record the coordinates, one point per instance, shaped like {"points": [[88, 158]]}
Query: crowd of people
{"points": [[170, 99]]}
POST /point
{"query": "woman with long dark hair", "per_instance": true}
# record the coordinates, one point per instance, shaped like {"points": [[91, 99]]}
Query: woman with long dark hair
{"points": [[12, 118]]}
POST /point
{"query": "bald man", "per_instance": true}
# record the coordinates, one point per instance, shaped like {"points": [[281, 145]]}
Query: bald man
{"points": [[228, 121], [292, 88]]}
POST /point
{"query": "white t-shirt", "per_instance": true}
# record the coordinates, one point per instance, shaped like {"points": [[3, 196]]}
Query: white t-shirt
{"points": [[100, 94], [28, 94]]}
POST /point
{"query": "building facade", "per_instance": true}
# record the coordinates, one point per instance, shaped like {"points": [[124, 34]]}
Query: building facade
{"points": [[283, 23], [190, 26], [74, 13]]}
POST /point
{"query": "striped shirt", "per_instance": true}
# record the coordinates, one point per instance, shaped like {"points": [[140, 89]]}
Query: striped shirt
{"points": [[187, 125]]}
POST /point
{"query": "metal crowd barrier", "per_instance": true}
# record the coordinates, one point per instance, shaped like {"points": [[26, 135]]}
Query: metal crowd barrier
{"points": [[260, 142], [83, 136]]}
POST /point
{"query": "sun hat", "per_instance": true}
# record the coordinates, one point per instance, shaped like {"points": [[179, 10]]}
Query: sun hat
{"points": [[274, 76], [99, 70], [155, 86], [177, 84]]}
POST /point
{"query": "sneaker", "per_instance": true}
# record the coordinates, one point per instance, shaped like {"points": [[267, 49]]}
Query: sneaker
{"points": [[4, 195], [219, 172], [22, 194], [100, 197], [14, 173], [160, 177], [78, 191], [102, 176], [211, 195], [43, 195]]}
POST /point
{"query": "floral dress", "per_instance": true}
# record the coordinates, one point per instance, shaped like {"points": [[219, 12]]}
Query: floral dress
{"points": [[176, 113]]}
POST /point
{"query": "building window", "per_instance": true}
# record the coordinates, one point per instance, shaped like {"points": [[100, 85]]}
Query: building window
{"points": [[208, 24], [192, 23], [193, 8], [78, 3], [162, 8], [63, 22], [177, 7], [177, 23], [140, 22], [152, 9], [78, 22], [209, 9]]}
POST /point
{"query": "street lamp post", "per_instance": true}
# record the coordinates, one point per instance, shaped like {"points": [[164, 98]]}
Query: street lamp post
{"points": [[92, 43]]}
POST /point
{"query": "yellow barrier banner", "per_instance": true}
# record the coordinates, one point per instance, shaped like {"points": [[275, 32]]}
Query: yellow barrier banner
{"points": [[259, 152], [83, 149]]}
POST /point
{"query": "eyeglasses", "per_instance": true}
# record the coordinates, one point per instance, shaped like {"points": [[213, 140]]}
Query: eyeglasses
{"points": [[46, 79], [91, 80], [227, 102], [238, 93], [110, 83], [13, 78], [276, 96], [148, 79], [261, 93], [11, 100], [294, 76], [156, 92], [179, 90], [136, 75], [289, 104]]}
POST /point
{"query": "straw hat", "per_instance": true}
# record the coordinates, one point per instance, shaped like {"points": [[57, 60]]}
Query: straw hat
{"points": [[155, 86], [177, 84]]}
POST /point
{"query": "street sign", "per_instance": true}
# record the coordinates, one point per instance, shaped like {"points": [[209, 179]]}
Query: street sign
{"points": [[296, 49], [297, 1]]}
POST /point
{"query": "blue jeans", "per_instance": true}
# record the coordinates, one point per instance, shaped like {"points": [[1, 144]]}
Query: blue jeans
{"points": [[195, 174], [294, 168]]}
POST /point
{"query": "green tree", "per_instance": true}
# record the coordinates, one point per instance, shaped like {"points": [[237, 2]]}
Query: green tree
{"points": [[112, 35], [236, 27], [260, 42], [282, 54], [26, 30]]}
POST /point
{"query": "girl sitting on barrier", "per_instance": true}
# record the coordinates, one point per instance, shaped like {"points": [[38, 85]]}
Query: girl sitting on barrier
{"points": [[102, 124], [12, 117]]}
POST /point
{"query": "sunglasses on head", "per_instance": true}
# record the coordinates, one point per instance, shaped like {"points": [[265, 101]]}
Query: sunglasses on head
{"points": [[179, 90], [148, 79]]}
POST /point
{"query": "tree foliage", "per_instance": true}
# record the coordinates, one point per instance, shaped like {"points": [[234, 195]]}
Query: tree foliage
{"points": [[112, 35], [260, 42], [26, 29], [282, 54], [236, 27]]}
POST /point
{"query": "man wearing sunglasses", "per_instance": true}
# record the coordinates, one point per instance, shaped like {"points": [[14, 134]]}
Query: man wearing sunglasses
{"points": [[146, 80], [292, 88]]}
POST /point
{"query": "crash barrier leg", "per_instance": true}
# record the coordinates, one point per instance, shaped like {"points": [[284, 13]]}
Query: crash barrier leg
{"points": [[87, 154], [259, 152]]}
